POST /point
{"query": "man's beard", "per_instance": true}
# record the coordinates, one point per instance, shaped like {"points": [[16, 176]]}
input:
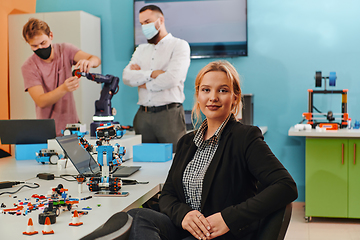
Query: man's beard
{"points": [[155, 39]]}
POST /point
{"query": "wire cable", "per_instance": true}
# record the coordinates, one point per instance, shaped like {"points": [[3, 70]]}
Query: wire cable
{"points": [[302, 121], [63, 176], [36, 186], [114, 170], [318, 110]]}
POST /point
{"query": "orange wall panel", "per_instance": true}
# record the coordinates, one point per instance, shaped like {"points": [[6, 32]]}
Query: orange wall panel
{"points": [[6, 8]]}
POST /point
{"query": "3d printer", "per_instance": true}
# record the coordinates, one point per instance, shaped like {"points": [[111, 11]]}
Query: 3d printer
{"points": [[319, 119]]}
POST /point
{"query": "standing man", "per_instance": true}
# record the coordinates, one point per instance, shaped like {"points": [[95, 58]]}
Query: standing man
{"points": [[158, 69], [47, 74]]}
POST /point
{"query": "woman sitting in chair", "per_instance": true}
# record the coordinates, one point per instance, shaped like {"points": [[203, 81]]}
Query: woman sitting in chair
{"points": [[211, 188]]}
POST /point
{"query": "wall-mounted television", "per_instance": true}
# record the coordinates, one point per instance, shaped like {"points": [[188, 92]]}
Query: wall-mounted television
{"points": [[213, 28]]}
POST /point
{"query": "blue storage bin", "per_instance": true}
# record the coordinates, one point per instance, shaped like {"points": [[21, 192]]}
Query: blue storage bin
{"points": [[152, 152], [28, 151]]}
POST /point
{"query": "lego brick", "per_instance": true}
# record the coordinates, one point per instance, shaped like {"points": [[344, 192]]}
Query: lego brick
{"points": [[152, 152], [28, 151]]}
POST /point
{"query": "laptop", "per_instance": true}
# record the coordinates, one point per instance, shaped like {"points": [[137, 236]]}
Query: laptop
{"points": [[27, 131], [83, 161]]}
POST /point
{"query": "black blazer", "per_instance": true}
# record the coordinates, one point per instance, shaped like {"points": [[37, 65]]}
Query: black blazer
{"points": [[242, 159]]}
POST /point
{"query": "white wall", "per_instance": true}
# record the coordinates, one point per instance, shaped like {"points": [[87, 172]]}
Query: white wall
{"points": [[76, 27]]}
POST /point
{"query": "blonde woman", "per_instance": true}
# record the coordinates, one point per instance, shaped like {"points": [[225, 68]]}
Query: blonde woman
{"points": [[211, 188]]}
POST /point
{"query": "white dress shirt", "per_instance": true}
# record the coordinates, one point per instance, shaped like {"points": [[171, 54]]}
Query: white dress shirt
{"points": [[171, 55]]}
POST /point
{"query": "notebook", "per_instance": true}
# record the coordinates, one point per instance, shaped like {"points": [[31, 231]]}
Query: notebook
{"points": [[27, 131], [83, 161]]}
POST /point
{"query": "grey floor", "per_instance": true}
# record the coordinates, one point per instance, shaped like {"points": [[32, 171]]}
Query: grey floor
{"points": [[320, 228]]}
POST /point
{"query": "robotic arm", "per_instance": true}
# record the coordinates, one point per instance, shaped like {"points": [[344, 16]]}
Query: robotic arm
{"points": [[103, 109], [110, 88]]}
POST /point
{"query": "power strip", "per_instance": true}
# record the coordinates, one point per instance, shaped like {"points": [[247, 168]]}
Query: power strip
{"points": [[8, 184]]}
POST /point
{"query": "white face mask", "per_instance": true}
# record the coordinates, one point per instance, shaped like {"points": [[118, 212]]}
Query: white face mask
{"points": [[149, 30]]}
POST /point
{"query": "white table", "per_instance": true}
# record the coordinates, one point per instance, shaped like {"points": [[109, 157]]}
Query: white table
{"points": [[26, 170], [346, 133]]}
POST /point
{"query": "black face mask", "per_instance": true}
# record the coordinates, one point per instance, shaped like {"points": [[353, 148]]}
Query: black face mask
{"points": [[43, 53]]}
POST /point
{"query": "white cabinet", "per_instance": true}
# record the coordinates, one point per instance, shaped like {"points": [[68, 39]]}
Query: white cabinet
{"points": [[77, 27]]}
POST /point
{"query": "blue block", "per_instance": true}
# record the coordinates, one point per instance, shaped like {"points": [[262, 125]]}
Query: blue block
{"points": [[152, 152], [28, 151]]}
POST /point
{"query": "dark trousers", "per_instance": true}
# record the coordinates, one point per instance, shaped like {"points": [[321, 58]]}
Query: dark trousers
{"points": [[152, 225], [166, 126]]}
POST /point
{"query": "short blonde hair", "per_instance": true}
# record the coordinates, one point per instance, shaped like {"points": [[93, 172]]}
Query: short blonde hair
{"points": [[233, 76], [35, 27]]}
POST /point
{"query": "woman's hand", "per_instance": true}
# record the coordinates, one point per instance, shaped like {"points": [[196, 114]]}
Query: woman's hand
{"points": [[218, 225], [195, 223]]}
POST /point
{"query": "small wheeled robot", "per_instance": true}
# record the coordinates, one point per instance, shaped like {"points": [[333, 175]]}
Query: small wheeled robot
{"points": [[58, 201], [48, 156], [76, 128]]}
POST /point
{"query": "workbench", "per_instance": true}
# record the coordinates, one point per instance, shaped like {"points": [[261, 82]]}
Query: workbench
{"points": [[332, 172], [102, 208]]}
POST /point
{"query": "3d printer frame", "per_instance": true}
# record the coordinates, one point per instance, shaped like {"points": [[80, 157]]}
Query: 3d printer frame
{"points": [[309, 116]]}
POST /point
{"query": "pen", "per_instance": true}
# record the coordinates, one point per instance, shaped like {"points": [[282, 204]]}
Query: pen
{"points": [[85, 198]]}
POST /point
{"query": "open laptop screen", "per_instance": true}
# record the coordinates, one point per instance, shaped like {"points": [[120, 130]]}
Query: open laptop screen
{"points": [[80, 158]]}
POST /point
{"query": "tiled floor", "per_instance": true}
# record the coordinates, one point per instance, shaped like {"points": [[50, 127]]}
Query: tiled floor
{"points": [[321, 228]]}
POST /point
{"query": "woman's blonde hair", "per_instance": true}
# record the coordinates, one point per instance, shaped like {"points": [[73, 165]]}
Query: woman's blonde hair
{"points": [[233, 76], [35, 27]]}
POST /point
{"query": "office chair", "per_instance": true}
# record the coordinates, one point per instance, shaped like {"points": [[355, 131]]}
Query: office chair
{"points": [[274, 226], [116, 227]]}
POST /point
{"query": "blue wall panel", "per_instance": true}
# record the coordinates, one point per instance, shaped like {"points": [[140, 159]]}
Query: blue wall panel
{"points": [[288, 42]]}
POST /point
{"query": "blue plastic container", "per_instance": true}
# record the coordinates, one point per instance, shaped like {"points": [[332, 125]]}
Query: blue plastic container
{"points": [[28, 151], [152, 152]]}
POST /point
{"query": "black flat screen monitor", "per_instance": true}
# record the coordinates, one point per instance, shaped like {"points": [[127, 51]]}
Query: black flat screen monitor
{"points": [[213, 28], [27, 131]]}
